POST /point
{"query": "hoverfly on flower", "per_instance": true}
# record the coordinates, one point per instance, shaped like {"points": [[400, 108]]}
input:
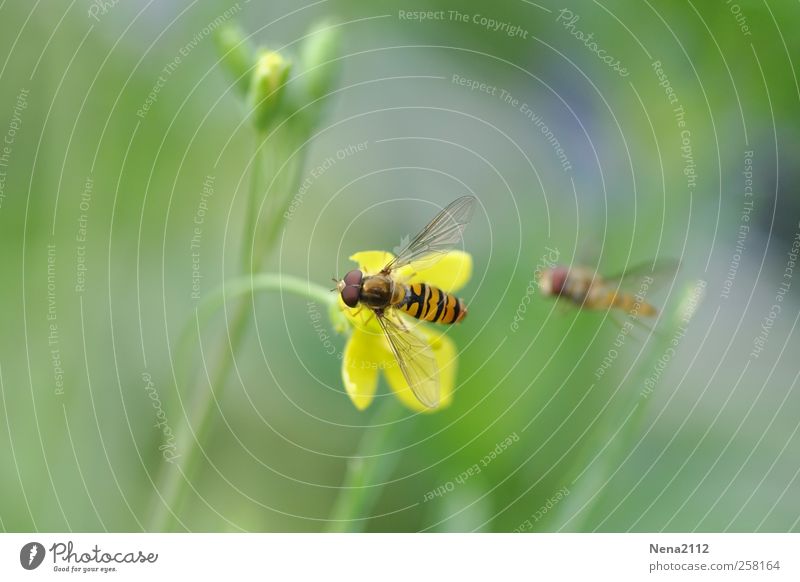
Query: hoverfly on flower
{"points": [[396, 289], [625, 292]]}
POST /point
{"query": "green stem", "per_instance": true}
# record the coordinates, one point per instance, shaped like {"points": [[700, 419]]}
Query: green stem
{"points": [[250, 285], [175, 476], [201, 406], [368, 470], [251, 219]]}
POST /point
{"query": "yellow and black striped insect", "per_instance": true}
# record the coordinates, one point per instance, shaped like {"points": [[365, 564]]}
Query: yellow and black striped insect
{"points": [[385, 294], [429, 303], [624, 292]]}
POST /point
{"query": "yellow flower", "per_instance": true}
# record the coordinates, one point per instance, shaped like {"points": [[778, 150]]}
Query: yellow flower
{"points": [[367, 351]]}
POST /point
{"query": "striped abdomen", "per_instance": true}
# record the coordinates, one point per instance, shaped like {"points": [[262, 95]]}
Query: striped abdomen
{"points": [[627, 302], [428, 303], [635, 305]]}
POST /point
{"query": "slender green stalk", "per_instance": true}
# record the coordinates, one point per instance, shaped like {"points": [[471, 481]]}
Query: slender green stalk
{"points": [[250, 285], [174, 478], [200, 411], [251, 218], [368, 470], [282, 122]]}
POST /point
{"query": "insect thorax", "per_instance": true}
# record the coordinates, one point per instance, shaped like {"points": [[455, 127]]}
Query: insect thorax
{"points": [[377, 291]]}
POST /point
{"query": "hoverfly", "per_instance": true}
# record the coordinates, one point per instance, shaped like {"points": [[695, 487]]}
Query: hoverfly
{"points": [[386, 295], [625, 291]]}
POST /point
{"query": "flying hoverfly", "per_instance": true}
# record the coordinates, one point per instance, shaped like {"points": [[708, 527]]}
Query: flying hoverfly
{"points": [[385, 295], [625, 292]]}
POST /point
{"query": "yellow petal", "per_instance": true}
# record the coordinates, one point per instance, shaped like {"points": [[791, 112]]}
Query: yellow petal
{"points": [[450, 273], [361, 317], [444, 351], [371, 262], [360, 368]]}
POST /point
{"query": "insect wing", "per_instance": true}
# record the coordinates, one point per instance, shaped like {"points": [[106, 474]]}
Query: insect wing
{"points": [[661, 272], [415, 358], [439, 236]]}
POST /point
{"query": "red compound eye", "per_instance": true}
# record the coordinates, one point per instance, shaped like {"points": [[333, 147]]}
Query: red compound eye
{"points": [[352, 288], [558, 277]]}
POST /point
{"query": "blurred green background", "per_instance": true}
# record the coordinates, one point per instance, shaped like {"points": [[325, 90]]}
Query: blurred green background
{"points": [[714, 447]]}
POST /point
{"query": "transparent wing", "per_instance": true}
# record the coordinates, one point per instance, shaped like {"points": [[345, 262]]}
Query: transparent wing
{"points": [[441, 235], [415, 358], [660, 271]]}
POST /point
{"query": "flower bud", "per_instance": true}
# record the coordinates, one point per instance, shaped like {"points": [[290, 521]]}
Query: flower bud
{"points": [[267, 87], [318, 59], [236, 53]]}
